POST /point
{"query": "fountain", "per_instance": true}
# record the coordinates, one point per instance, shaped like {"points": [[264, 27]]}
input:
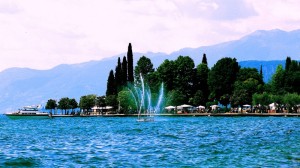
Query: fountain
{"points": [[143, 101]]}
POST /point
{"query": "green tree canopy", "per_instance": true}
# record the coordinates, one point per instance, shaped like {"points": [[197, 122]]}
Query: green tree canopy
{"points": [[221, 79], [73, 104], [278, 80], [111, 100], [185, 76], [51, 104], [201, 82], [87, 102], [263, 99], [64, 104], [100, 101], [249, 81], [166, 73], [292, 76], [144, 67], [127, 102], [292, 100], [175, 98]]}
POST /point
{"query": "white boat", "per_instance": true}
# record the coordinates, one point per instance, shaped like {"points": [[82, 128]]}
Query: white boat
{"points": [[28, 112]]}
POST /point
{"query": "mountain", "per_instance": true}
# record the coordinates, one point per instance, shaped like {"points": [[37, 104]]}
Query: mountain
{"points": [[24, 86], [259, 45], [268, 67]]}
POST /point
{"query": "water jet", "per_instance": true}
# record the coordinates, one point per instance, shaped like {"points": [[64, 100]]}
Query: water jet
{"points": [[142, 97]]}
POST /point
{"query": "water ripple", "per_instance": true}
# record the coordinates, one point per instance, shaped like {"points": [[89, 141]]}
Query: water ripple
{"points": [[167, 142]]}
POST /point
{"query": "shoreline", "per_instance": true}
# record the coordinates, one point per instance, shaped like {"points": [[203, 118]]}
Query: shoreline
{"points": [[194, 115]]}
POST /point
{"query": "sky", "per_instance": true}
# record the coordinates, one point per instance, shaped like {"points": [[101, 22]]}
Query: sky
{"points": [[41, 34]]}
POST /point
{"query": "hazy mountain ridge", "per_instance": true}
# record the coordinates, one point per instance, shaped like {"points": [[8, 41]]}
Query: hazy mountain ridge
{"points": [[24, 86], [268, 67]]}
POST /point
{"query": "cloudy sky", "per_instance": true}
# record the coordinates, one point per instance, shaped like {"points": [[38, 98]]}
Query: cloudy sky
{"points": [[43, 33]]}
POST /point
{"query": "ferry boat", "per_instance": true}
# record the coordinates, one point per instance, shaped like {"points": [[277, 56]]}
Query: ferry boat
{"points": [[28, 112]]}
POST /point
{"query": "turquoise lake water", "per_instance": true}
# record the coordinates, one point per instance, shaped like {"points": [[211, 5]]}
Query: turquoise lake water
{"points": [[167, 142]]}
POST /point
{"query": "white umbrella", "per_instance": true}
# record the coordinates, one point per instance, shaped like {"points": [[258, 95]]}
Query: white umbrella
{"points": [[169, 107], [185, 106], [95, 108], [109, 107], [214, 107], [201, 107]]}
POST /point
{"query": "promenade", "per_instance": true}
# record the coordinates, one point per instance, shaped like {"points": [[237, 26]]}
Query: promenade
{"points": [[194, 115]]}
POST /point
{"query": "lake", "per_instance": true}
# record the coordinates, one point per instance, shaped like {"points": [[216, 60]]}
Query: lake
{"points": [[167, 142]]}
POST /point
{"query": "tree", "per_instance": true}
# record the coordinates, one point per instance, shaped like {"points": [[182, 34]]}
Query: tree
{"points": [[262, 100], [126, 102], [184, 76], [144, 66], [292, 76], [111, 84], [130, 63], [292, 100], [199, 98], [292, 80], [204, 59], [111, 100], [73, 104], [87, 102], [51, 104], [278, 99], [118, 75], [243, 91], [154, 81], [167, 73], [124, 71], [64, 104], [225, 100], [201, 82], [175, 98], [240, 97], [278, 81], [248, 82], [261, 72], [100, 102], [247, 73], [221, 78], [288, 63]]}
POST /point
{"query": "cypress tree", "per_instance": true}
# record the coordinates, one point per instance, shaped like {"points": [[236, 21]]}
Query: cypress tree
{"points": [[261, 74], [130, 63], [118, 74], [204, 60], [288, 63], [124, 71], [111, 87]]}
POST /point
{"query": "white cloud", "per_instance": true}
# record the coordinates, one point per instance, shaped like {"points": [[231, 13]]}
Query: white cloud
{"points": [[6, 7], [42, 34]]}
